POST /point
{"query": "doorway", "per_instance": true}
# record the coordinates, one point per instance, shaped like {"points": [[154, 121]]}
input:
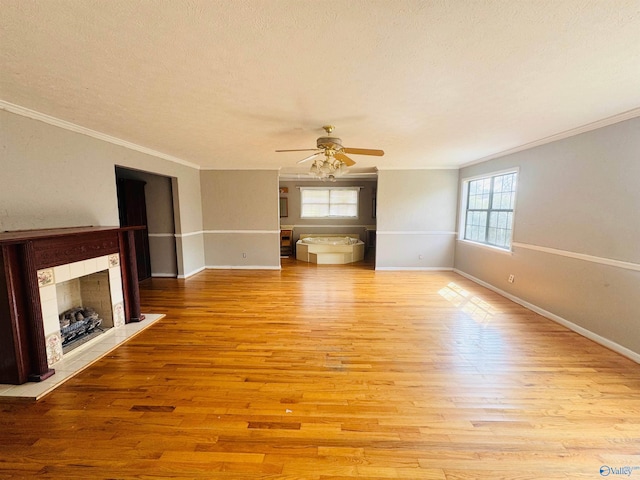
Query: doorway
{"points": [[147, 199]]}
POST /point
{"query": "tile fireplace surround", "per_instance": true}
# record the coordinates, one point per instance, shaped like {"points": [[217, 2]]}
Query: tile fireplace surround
{"points": [[110, 306], [33, 266]]}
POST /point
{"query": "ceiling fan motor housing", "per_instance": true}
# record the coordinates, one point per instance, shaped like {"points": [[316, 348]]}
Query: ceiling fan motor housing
{"points": [[333, 143]]}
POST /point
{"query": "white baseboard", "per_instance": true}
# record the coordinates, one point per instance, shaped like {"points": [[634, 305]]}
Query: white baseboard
{"points": [[242, 267], [418, 269], [190, 274], [624, 351], [164, 275], [229, 267]]}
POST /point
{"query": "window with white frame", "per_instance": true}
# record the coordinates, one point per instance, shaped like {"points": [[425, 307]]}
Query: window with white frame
{"points": [[488, 204], [334, 202]]}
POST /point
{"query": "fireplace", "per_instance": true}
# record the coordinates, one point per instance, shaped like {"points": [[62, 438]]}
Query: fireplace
{"points": [[46, 272], [79, 300]]}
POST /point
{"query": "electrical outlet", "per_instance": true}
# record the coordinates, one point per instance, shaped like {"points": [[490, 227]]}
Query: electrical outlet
{"points": [[512, 277], [420, 257]]}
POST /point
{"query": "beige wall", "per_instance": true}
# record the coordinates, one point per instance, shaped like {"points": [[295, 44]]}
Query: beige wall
{"points": [[240, 218], [53, 177], [416, 219], [577, 224]]}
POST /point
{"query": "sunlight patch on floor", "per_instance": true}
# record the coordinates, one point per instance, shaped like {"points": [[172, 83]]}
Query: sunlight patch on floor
{"points": [[478, 309]]}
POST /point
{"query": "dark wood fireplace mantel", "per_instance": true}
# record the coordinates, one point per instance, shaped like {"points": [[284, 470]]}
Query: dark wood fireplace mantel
{"points": [[23, 355]]}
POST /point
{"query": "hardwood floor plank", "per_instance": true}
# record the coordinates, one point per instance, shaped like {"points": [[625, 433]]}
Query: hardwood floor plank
{"points": [[333, 373]]}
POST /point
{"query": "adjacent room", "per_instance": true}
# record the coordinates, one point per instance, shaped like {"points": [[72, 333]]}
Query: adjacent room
{"points": [[319, 240]]}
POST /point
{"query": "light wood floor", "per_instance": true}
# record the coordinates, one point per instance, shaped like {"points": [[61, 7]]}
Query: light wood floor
{"points": [[327, 373]]}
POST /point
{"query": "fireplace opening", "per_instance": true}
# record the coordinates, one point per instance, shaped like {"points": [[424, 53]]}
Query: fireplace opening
{"points": [[79, 325], [84, 309]]}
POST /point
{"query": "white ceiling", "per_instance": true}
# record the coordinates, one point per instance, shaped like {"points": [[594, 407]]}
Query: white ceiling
{"points": [[224, 83]]}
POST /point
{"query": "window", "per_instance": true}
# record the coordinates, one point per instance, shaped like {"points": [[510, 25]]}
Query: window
{"points": [[329, 202], [488, 214]]}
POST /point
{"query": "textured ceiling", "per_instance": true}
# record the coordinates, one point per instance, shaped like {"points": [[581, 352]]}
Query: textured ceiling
{"points": [[222, 84]]}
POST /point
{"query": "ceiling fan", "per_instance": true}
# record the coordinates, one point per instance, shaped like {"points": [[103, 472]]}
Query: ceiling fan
{"points": [[335, 159]]}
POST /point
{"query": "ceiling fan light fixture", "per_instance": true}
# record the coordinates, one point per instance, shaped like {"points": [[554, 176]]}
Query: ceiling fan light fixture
{"points": [[326, 167], [335, 162]]}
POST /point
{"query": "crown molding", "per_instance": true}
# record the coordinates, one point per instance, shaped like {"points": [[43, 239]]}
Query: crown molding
{"points": [[348, 177], [416, 169], [302, 175], [605, 122], [42, 117], [56, 122]]}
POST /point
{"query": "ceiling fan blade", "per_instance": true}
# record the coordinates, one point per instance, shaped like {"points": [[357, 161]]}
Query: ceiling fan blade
{"points": [[309, 157], [344, 159], [363, 151], [299, 150]]}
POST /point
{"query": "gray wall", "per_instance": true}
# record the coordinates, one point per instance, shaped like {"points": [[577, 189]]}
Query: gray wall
{"points": [[361, 225], [576, 253], [240, 218], [416, 219], [53, 177]]}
